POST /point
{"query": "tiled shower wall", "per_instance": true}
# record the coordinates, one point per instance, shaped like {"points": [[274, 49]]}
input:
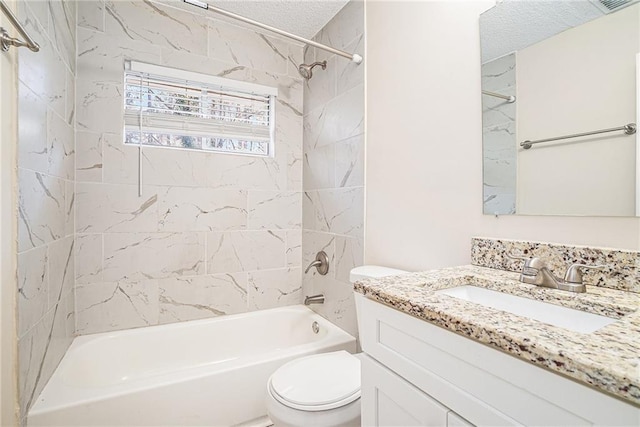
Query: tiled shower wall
{"points": [[212, 234], [46, 166], [333, 169], [499, 149]]}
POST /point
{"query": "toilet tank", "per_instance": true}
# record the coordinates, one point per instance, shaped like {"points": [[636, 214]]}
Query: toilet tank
{"points": [[372, 271]]}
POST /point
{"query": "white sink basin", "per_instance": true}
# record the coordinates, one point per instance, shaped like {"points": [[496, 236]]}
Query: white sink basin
{"points": [[555, 315]]}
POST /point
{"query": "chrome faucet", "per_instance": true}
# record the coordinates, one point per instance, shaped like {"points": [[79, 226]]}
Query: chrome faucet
{"points": [[536, 272], [314, 299]]}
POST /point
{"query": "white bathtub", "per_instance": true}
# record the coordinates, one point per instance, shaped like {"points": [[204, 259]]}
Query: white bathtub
{"points": [[209, 372]]}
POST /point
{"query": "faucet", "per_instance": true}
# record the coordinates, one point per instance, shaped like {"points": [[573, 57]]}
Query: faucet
{"points": [[536, 272], [314, 299], [321, 263]]}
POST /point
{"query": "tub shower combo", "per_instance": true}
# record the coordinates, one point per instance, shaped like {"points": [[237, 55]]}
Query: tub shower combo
{"points": [[200, 372]]}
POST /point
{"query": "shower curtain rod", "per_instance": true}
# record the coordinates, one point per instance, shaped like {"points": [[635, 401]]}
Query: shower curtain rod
{"points": [[203, 5]]}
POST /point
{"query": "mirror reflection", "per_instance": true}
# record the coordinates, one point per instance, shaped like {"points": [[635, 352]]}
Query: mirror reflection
{"points": [[560, 102]]}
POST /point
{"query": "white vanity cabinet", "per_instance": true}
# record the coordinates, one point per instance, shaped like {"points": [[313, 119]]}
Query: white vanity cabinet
{"points": [[390, 400], [416, 373]]}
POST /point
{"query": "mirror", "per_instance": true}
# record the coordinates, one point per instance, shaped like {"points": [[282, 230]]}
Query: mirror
{"points": [[551, 71]]}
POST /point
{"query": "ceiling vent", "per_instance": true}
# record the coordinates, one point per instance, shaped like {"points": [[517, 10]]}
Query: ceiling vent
{"points": [[610, 5]]}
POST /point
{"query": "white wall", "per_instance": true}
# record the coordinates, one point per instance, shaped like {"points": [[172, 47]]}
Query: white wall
{"points": [[424, 146], [580, 80]]}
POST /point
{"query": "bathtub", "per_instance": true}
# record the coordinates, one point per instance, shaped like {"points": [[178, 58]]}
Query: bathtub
{"points": [[209, 372]]}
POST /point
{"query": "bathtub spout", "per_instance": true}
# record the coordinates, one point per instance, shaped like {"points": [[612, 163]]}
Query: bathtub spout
{"points": [[314, 299]]}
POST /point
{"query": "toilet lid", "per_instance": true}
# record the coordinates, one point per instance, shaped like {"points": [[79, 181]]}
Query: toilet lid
{"points": [[317, 383]]}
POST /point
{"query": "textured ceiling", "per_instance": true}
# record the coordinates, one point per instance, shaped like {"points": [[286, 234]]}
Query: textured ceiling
{"points": [[514, 24], [301, 17]]}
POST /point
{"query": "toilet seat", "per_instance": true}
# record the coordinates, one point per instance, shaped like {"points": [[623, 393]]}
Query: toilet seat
{"points": [[317, 383]]}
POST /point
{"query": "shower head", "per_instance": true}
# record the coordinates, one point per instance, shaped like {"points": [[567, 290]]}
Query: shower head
{"points": [[306, 71]]}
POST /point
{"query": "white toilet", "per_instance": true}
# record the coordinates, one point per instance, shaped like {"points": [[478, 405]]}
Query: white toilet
{"points": [[322, 390]]}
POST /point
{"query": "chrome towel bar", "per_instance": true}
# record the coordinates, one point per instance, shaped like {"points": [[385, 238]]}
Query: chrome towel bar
{"points": [[628, 129], [509, 98], [6, 41]]}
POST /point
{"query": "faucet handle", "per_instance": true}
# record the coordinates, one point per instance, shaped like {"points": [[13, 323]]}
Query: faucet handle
{"points": [[534, 262], [574, 274], [513, 256], [531, 264], [321, 263]]}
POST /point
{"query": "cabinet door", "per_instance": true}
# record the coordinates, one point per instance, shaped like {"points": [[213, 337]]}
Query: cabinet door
{"points": [[389, 400]]}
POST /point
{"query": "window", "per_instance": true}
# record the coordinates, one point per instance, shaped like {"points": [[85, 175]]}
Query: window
{"points": [[174, 108]]}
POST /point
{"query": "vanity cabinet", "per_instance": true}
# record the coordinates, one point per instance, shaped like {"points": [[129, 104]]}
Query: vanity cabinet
{"points": [[416, 373], [390, 400]]}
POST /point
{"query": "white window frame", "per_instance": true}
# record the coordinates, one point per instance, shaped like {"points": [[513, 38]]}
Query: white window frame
{"points": [[220, 83]]}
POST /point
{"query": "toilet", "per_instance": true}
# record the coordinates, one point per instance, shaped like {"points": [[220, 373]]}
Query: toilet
{"points": [[321, 390]]}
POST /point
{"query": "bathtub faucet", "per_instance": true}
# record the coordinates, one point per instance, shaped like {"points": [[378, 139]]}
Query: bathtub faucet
{"points": [[314, 299]]}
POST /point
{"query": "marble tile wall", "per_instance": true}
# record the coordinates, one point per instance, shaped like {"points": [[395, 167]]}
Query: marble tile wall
{"points": [[620, 268], [212, 234], [46, 169], [499, 146], [333, 168]]}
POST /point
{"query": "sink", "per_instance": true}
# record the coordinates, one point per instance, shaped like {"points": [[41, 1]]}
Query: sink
{"points": [[568, 318]]}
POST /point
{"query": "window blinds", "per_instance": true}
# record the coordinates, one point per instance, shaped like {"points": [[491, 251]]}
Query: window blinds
{"points": [[168, 107]]}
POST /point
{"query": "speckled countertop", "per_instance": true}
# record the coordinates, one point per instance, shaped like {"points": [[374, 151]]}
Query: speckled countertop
{"points": [[607, 359]]}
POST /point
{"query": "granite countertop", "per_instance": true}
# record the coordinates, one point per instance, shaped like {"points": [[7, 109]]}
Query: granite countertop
{"points": [[608, 359]]}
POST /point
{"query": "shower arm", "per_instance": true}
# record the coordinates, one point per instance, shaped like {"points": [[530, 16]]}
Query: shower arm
{"points": [[203, 5]]}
